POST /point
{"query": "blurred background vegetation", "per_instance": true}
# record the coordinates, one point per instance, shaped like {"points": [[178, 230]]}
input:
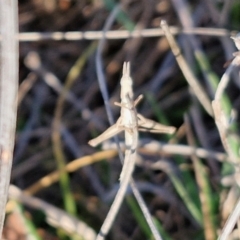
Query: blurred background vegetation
{"points": [[189, 193]]}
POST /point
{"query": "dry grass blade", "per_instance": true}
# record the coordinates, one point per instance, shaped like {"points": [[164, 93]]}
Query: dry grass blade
{"points": [[8, 95], [188, 74], [154, 147], [73, 166], [117, 34]]}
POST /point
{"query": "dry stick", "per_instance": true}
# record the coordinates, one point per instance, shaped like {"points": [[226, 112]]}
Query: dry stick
{"points": [[102, 84], [188, 74], [156, 147], [118, 34], [8, 95], [151, 147]]}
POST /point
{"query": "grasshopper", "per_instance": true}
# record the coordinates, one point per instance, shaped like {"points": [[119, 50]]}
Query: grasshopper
{"points": [[123, 124], [130, 122]]}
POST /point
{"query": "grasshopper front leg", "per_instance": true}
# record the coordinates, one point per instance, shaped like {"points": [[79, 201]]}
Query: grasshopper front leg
{"points": [[110, 132]]}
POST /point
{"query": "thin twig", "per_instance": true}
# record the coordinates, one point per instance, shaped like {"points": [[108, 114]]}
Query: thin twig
{"points": [[118, 34], [151, 147]]}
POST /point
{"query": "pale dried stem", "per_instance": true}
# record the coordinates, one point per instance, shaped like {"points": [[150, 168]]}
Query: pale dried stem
{"points": [[8, 95], [118, 34], [187, 72]]}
